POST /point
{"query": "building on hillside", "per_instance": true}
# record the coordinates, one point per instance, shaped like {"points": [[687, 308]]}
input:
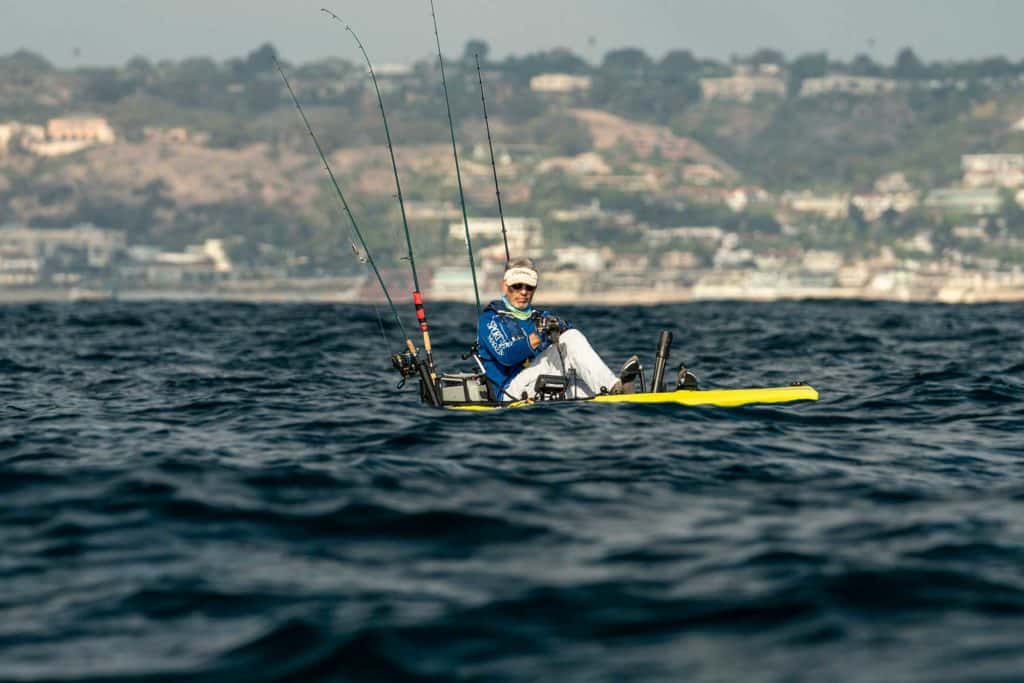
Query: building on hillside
{"points": [[6, 133], [832, 206], [970, 232], [177, 135], [13, 133], [744, 85], [660, 237], [739, 198], [822, 261], [97, 246], [202, 264], [482, 153], [993, 170], [594, 213], [19, 266], [560, 83], [874, 206], [892, 183], [94, 129], [679, 260], [848, 85], [38, 256], [920, 243], [70, 134], [566, 283], [432, 210], [525, 235], [391, 78], [453, 283], [702, 174], [588, 163], [977, 201], [588, 259]]}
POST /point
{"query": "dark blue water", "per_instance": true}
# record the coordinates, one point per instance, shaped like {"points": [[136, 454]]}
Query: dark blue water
{"points": [[238, 492]]}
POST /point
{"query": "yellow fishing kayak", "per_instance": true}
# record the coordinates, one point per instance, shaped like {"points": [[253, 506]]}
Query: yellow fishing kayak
{"points": [[722, 398]]}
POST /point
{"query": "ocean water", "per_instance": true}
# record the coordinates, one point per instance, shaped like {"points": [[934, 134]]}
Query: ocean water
{"points": [[239, 492]]}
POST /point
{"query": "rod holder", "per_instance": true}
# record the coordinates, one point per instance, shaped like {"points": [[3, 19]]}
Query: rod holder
{"points": [[427, 386], [661, 361]]}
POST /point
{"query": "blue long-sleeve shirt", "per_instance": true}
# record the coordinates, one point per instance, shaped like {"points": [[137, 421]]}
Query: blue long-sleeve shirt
{"points": [[504, 341]]}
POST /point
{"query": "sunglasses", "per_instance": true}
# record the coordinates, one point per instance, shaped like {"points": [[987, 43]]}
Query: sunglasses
{"points": [[522, 288]]}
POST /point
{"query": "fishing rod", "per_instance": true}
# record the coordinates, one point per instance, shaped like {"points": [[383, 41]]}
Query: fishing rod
{"points": [[405, 364], [455, 152], [417, 297], [494, 167]]}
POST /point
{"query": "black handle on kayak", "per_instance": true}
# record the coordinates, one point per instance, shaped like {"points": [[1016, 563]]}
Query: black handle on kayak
{"points": [[661, 361]]}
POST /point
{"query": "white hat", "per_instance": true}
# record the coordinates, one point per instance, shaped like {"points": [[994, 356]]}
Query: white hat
{"points": [[521, 274]]}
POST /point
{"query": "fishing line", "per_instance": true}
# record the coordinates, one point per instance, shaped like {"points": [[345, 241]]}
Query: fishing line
{"points": [[455, 152], [494, 167], [417, 296], [344, 202]]}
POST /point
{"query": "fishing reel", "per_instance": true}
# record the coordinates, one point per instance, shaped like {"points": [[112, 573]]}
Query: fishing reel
{"points": [[406, 364], [550, 325]]}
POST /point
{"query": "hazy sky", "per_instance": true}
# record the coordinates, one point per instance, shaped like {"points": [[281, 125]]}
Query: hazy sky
{"points": [[109, 32]]}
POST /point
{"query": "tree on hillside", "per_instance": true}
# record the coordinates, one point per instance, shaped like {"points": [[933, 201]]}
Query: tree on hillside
{"points": [[476, 48], [26, 61], [522, 69], [105, 86], [630, 61], [140, 70], [678, 64], [767, 56], [995, 67], [863, 65], [258, 62], [806, 66], [908, 66]]}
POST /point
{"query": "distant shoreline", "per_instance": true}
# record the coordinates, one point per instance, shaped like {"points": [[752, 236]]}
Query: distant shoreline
{"points": [[638, 297]]}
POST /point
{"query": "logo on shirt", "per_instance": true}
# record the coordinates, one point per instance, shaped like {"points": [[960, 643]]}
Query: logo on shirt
{"points": [[497, 337]]}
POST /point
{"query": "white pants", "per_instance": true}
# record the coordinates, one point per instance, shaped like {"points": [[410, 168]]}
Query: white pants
{"points": [[584, 369]]}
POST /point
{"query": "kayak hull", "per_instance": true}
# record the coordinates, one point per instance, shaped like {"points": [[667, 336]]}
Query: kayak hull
{"points": [[722, 398]]}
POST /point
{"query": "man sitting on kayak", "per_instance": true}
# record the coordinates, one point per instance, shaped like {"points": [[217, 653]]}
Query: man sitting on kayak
{"points": [[518, 344]]}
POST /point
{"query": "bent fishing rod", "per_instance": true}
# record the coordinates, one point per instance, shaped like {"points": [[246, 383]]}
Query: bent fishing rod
{"points": [[417, 296], [427, 380], [455, 153], [494, 167]]}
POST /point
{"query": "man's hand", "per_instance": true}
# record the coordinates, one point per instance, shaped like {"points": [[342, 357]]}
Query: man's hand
{"points": [[534, 340]]}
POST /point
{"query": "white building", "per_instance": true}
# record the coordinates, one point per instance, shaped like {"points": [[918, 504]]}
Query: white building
{"points": [[741, 88], [745, 84], [23, 134], [830, 206], [822, 261], [6, 133], [64, 135], [993, 170], [979, 201], [589, 259], [98, 245], [895, 182], [524, 234], [588, 163], [560, 83], [873, 206], [850, 85], [662, 236]]}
